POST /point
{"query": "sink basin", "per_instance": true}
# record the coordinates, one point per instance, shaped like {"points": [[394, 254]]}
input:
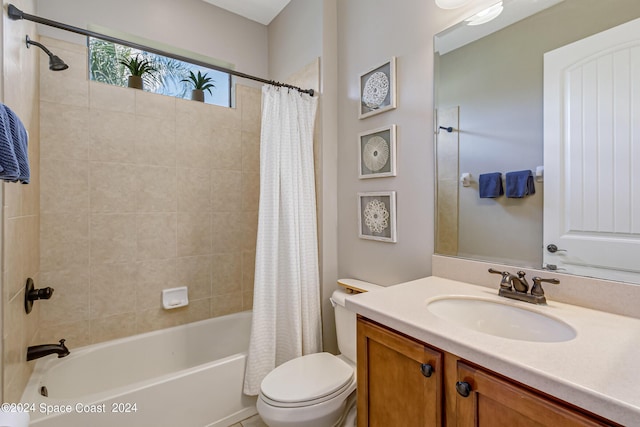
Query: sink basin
{"points": [[500, 319]]}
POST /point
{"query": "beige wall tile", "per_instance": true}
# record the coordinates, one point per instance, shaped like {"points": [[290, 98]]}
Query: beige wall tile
{"points": [[193, 153], [226, 274], [199, 310], [159, 318], [15, 347], [249, 230], [250, 152], [156, 235], [113, 238], [226, 190], [70, 301], [195, 273], [113, 327], [224, 117], [248, 270], [64, 132], [113, 289], [226, 149], [155, 105], [227, 232], [112, 187], [153, 277], [193, 123], [64, 186], [64, 241], [13, 196], [226, 304], [155, 141], [247, 300], [111, 98], [59, 88], [250, 191], [147, 160], [194, 190], [250, 103], [15, 266], [76, 334], [194, 233], [156, 189], [112, 136]]}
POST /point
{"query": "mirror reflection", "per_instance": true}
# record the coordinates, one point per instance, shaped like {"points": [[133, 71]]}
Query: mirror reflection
{"points": [[489, 88]]}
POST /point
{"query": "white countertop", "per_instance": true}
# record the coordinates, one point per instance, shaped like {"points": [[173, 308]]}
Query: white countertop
{"points": [[598, 370]]}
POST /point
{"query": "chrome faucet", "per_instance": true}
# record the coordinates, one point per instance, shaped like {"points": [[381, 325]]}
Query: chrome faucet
{"points": [[38, 351], [516, 287]]}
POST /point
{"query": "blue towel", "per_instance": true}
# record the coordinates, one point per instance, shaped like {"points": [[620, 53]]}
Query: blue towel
{"points": [[20, 141], [520, 184], [8, 159], [490, 185]]}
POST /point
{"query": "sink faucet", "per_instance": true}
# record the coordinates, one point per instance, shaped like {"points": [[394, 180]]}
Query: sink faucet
{"points": [[38, 351], [516, 287]]}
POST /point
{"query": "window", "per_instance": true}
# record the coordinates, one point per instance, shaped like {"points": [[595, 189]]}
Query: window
{"points": [[105, 67]]}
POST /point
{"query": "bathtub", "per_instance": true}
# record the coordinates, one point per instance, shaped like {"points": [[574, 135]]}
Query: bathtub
{"points": [[187, 376]]}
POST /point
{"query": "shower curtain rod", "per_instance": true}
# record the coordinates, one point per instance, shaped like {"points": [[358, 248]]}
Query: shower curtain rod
{"points": [[16, 14]]}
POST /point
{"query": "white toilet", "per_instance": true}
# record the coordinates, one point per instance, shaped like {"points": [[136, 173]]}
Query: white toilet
{"points": [[317, 390]]}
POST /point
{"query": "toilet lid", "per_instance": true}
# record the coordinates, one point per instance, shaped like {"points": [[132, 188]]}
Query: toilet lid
{"points": [[307, 378]]}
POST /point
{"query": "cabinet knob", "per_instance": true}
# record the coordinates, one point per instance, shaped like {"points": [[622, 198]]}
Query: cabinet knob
{"points": [[463, 388], [426, 369]]}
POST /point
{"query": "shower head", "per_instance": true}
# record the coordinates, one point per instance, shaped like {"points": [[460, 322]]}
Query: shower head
{"points": [[55, 63]]}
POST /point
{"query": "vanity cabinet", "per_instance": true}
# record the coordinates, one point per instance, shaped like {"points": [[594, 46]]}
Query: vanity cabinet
{"points": [[495, 401], [399, 379], [393, 391]]}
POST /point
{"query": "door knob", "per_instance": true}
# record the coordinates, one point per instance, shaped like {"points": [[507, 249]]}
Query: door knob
{"points": [[553, 249], [426, 369], [463, 388]]}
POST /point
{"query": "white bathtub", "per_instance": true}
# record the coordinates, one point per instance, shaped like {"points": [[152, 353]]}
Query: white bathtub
{"points": [[187, 376]]}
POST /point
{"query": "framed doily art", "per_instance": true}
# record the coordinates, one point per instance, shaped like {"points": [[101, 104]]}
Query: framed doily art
{"points": [[378, 89], [377, 216], [377, 152]]}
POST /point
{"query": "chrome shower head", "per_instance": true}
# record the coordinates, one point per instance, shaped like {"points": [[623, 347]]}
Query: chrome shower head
{"points": [[55, 63]]}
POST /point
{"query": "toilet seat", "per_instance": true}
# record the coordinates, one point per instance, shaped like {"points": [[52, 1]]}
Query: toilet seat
{"points": [[307, 380]]}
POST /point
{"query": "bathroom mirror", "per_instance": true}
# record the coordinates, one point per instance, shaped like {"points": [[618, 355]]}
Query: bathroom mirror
{"points": [[489, 89]]}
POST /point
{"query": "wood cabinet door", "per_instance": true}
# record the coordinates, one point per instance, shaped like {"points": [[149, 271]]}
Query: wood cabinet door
{"points": [[399, 379], [496, 402]]}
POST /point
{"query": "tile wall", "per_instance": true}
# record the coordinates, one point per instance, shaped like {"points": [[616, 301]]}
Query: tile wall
{"points": [[20, 244], [141, 192]]}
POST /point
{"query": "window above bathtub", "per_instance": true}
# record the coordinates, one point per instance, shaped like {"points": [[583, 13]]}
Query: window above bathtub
{"points": [[106, 66]]}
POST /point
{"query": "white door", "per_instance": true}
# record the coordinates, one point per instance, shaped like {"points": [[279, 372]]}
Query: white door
{"points": [[592, 155]]}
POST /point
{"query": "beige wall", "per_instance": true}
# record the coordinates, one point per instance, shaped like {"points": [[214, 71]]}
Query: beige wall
{"points": [[20, 206], [142, 192]]}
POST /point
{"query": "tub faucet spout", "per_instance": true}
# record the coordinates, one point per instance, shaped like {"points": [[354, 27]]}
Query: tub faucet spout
{"points": [[38, 351]]}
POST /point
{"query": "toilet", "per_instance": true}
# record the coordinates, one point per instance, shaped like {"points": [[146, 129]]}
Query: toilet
{"points": [[317, 390]]}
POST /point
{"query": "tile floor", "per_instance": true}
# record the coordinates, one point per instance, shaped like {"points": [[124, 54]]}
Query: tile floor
{"points": [[254, 421]]}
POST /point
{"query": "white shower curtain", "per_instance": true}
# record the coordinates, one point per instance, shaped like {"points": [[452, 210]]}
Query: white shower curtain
{"points": [[286, 300]]}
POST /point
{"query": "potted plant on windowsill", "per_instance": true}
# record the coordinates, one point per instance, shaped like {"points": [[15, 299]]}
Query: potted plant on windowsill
{"points": [[138, 67], [199, 82]]}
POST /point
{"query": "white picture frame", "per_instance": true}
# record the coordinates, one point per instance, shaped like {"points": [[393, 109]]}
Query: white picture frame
{"points": [[377, 216], [378, 89], [377, 153]]}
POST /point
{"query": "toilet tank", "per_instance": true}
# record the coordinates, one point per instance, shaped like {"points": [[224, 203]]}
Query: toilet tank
{"points": [[345, 319]]}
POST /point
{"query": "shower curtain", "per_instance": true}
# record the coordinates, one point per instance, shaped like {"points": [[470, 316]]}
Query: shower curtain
{"points": [[286, 302]]}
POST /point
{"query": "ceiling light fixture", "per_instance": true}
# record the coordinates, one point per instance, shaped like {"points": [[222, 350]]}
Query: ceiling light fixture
{"points": [[451, 4], [486, 15]]}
